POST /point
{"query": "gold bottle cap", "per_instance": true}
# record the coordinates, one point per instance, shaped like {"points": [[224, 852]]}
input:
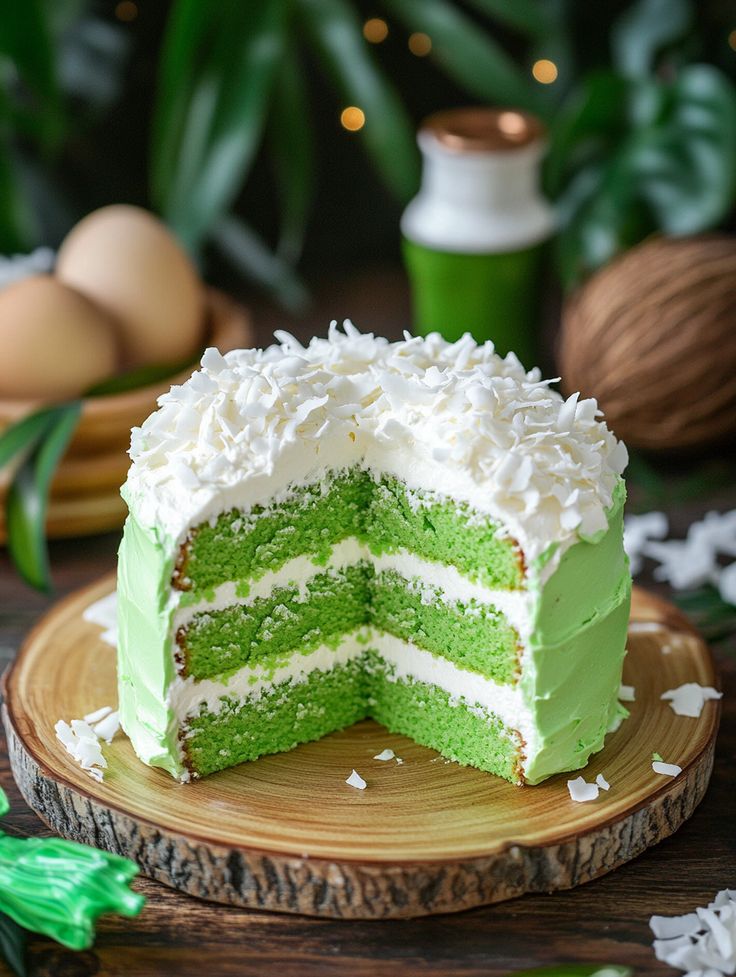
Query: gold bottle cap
{"points": [[479, 130]]}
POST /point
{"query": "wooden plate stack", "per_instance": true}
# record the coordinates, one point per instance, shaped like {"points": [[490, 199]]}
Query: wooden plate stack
{"points": [[85, 494]]}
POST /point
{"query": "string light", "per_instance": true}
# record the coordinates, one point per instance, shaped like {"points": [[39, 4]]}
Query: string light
{"points": [[544, 71], [352, 118], [732, 40], [420, 44], [126, 11], [375, 30]]}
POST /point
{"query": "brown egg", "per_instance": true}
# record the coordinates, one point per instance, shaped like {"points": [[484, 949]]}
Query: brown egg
{"points": [[129, 263], [54, 342]]}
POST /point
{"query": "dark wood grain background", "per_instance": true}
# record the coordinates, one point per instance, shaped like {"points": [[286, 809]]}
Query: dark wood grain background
{"points": [[604, 921]]}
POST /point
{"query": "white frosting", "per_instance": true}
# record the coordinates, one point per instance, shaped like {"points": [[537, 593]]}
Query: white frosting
{"points": [[188, 696], [451, 416], [433, 580]]}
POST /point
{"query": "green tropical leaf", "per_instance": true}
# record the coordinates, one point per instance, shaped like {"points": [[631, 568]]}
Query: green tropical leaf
{"points": [[218, 66], [644, 29], [686, 166], [529, 17], [25, 39], [292, 149], [28, 497], [388, 132], [249, 253], [13, 939], [143, 376], [468, 55]]}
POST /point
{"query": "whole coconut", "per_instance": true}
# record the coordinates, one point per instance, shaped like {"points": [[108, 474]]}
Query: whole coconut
{"points": [[652, 336]]}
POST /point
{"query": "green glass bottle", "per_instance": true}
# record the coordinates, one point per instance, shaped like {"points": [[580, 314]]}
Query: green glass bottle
{"points": [[473, 236]]}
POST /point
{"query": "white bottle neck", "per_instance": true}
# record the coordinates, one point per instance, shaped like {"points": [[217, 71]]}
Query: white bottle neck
{"points": [[478, 202]]}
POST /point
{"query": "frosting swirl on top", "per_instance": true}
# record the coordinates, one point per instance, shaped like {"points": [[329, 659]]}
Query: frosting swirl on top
{"points": [[453, 417]]}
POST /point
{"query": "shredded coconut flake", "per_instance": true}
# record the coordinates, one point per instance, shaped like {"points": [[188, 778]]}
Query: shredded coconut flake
{"points": [[627, 693], [355, 780], [602, 782], [95, 717], [703, 942], [104, 613], [81, 738], [666, 769], [109, 726], [581, 791], [689, 699], [387, 754], [548, 465]]}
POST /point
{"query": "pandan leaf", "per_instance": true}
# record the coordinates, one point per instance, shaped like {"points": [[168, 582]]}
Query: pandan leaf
{"points": [[28, 497], [250, 254], [24, 435], [469, 55], [292, 149], [388, 132], [13, 939], [218, 66], [529, 17], [143, 376]]}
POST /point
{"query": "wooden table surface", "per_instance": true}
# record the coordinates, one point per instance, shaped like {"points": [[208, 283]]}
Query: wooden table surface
{"points": [[604, 921]]}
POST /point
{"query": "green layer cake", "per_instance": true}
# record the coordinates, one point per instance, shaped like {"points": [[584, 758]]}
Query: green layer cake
{"points": [[419, 532]]}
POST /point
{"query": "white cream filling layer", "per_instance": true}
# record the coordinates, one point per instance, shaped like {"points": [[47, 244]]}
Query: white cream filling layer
{"points": [[187, 697], [433, 580]]}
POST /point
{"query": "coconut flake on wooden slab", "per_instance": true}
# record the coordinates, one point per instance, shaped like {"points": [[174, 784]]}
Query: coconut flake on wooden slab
{"points": [[689, 699], [666, 769], [703, 942], [355, 780], [581, 791], [387, 754], [627, 693], [81, 738], [602, 782], [104, 613]]}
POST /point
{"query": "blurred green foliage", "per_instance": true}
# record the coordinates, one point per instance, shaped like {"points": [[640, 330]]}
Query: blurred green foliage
{"points": [[646, 144]]}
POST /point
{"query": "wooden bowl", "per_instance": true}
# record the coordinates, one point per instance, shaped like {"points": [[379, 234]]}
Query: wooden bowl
{"points": [[85, 492]]}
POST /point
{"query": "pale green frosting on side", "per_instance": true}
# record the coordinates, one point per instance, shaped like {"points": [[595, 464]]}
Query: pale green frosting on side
{"points": [[571, 666]]}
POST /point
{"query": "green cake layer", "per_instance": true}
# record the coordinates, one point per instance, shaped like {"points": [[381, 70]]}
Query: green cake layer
{"points": [[271, 629], [289, 714], [348, 504]]}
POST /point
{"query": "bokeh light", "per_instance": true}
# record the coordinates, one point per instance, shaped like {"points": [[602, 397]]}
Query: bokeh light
{"points": [[544, 71], [420, 44], [352, 118], [126, 11], [375, 30], [732, 40]]}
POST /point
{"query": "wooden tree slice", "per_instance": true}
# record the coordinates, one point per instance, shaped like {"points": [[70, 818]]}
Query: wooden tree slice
{"points": [[427, 836]]}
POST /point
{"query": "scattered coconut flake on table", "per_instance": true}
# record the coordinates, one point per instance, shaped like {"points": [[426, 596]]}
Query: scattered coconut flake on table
{"points": [[95, 717], [627, 693], [355, 780], [690, 562], [638, 530], [703, 942], [602, 782], [580, 791], [387, 754], [104, 613], [689, 699], [108, 727]]}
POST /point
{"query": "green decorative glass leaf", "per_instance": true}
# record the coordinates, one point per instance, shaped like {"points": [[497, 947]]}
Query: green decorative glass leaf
{"points": [[469, 55], [218, 67], [250, 254], [292, 149], [644, 29], [388, 132], [13, 939], [28, 497]]}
